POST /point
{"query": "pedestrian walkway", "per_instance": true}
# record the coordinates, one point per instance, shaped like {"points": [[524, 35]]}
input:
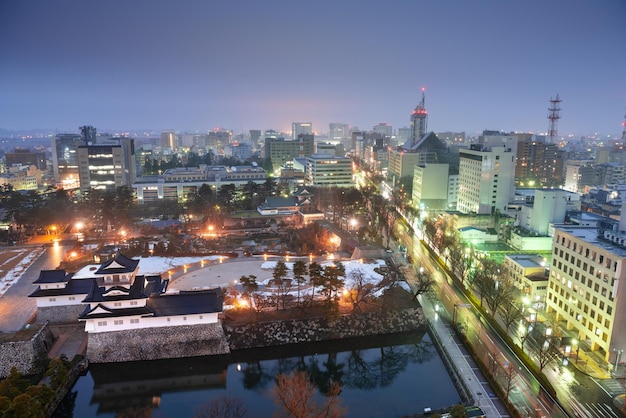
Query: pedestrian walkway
{"points": [[593, 364], [464, 363], [467, 369], [70, 340]]}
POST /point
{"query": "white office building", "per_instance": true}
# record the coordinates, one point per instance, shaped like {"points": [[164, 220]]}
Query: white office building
{"points": [[486, 178], [328, 171]]}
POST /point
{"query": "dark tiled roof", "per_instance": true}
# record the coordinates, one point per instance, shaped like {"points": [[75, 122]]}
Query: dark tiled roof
{"points": [[136, 290], [114, 313], [118, 264], [155, 285], [74, 287], [187, 303], [279, 202], [53, 276], [428, 142], [302, 191]]}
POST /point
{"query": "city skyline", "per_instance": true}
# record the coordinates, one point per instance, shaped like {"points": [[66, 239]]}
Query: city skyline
{"points": [[263, 65]]}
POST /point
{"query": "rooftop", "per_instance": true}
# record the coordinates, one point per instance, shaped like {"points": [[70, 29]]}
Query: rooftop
{"points": [[590, 235]]}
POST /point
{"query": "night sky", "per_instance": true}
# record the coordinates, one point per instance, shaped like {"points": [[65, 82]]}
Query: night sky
{"points": [[195, 65]]}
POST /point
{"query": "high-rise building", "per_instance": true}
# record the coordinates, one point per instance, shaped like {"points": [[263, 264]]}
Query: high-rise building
{"points": [[549, 207], [588, 266], [279, 150], [578, 175], [255, 138], [26, 157], [486, 177], [420, 149], [383, 129], [402, 135], [608, 173], [328, 171], [168, 140], [419, 120], [402, 161], [430, 187], [219, 138], [301, 128], [338, 131], [65, 159], [536, 164], [107, 166]]}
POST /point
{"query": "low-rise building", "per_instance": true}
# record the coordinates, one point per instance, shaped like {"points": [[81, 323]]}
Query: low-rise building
{"points": [[177, 183], [529, 274], [120, 305]]}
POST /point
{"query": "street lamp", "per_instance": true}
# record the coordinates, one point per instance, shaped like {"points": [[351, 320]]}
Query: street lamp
{"points": [[78, 227], [618, 353], [577, 343], [458, 305], [353, 223]]}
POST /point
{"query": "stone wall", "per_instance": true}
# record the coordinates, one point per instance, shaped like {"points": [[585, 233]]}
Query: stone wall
{"points": [[24, 354], [59, 314], [267, 334], [157, 343]]}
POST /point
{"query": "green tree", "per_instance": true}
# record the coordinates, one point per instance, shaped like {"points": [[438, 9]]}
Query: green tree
{"points": [[458, 411], [124, 202], [249, 284], [299, 270], [316, 277], [13, 384], [24, 406], [279, 274], [42, 395], [333, 281], [58, 372]]}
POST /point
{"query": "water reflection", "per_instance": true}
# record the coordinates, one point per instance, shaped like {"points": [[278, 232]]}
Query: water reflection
{"points": [[384, 376], [137, 385]]}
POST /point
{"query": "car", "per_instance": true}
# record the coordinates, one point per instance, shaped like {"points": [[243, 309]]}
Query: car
{"points": [[389, 250]]}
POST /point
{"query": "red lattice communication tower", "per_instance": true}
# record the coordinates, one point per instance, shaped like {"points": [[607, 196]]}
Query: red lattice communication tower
{"points": [[554, 114]]}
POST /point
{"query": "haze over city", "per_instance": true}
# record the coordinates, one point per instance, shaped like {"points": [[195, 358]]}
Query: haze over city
{"points": [[244, 65]]}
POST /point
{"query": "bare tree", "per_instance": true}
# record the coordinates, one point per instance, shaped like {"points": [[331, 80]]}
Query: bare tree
{"points": [[423, 283], [430, 230], [509, 379], [510, 314], [545, 350], [295, 396], [362, 288], [226, 406], [484, 280]]}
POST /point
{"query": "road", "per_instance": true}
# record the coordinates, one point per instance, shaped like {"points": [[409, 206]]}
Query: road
{"points": [[526, 393], [16, 308], [580, 394]]}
